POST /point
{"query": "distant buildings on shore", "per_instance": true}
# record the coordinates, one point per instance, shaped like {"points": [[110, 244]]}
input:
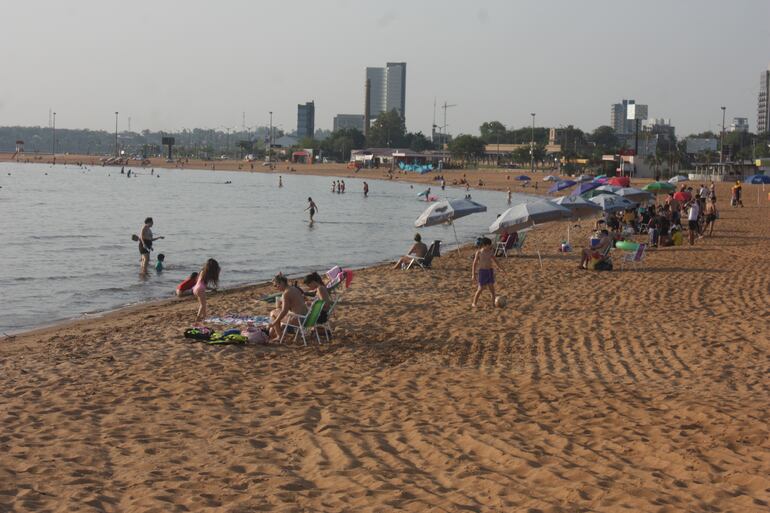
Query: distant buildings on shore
{"points": [[347, 121], [306, 120], [763, 103], [739, 125], [387, 89], [619, 117]]}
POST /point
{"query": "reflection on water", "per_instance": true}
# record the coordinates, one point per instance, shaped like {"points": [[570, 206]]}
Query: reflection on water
{"points": [[67, 245]]}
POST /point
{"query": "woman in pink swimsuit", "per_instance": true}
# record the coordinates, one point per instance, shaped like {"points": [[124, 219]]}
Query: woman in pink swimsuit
{"points": [[209, 275]]}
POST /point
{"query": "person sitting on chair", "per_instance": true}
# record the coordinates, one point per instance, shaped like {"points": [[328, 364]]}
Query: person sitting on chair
{"points": [[597, 251], [292, 300], [418, 250]]}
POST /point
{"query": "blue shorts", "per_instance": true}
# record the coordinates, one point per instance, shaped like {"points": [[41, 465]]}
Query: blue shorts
{"points": [[486, 277]]}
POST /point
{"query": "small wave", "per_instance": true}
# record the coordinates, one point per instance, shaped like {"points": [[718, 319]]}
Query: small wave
{"points": [[50, 237]]}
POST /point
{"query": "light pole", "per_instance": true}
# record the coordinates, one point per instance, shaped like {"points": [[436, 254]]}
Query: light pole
{"points": [[116, 134], [270, 140], [53, 143], [532, 145], [722, 138]]}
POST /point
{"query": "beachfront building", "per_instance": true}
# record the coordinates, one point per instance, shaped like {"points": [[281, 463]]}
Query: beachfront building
{"points": [[696, 145], [348, 121], [739, 125], [306, 120], [763, 104], [387, 89]]}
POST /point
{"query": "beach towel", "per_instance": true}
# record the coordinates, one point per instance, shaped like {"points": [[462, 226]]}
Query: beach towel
{"points": [[221, 339], [239, 320], [198, 333]]}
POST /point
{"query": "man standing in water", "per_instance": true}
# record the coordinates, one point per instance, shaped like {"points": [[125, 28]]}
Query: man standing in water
{"points": [[366, 189], [312, 207], [145, 243]]}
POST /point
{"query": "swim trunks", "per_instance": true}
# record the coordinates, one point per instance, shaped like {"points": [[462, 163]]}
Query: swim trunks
{"points": [[486, 277], [144, 248]]}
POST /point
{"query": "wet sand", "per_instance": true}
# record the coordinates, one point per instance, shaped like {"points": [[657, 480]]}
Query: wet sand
{"points": [[637, 390]]}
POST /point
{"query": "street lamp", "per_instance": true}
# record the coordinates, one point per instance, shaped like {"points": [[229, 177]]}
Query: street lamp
{"points": [[722, 138], [532, 145], [53, 143], [270, 140], [116, 134]]}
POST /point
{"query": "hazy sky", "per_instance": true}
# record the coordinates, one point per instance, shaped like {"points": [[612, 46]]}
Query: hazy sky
{"points": [[199, 63]]}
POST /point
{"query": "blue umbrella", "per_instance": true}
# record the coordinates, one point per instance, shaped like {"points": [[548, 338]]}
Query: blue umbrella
{"points": [[561, 185], [757, 179], [523, 178], [585, 187]]}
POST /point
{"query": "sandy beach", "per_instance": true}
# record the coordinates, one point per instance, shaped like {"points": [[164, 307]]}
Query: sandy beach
{"points": [[637, 390]]}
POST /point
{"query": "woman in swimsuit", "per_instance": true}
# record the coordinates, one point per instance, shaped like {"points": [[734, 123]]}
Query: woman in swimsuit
{"points": [[145, 243], [209, 275], [312, 207]]}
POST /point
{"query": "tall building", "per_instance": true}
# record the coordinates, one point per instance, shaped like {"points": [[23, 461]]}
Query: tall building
{"points": [[619, 118], [387, 89], [306, 120], [342, 121], [739, 125], [763, 105]]}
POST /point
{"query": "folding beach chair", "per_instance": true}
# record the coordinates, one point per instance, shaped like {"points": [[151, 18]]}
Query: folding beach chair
{"points": [[502, 248], [426, 261], [519, 244], [327, 326], [304, 324], [636, 258]]}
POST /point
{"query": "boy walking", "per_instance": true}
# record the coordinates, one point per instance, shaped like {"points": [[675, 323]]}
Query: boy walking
{"points": [[483, 274]]}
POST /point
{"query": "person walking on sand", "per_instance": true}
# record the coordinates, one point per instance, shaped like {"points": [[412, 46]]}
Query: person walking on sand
{"points": [[692, 220], [366, 190], [312, 207], [737, 189], [711, 216], [209, 275], [145, 243], [483, 274]]}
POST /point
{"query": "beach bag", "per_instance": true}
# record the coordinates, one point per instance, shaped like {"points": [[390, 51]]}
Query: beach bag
{"points": [[255, 335], [196, 333], [603, 265]]}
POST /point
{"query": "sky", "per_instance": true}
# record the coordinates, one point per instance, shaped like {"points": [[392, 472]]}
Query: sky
{"points": [[177, 64]]}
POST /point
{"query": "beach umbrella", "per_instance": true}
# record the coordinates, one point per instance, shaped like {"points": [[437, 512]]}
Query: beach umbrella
{"points": [[601, 180], [578, 207], [600, 177], [585, 178], [682, 196], [585, 187], [634, 194], [526, 215], [550, 178], [607, 188], [613, 203], [757, 179], [677, 179], [561, 185], [620, 181], [523, 178], [447, 211], [659, 187]]}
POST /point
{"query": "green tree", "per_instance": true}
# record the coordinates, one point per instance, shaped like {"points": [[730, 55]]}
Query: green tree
{"points": [[418, 142], [605, 139], [466, 147], [387, 131], [492, 131]]}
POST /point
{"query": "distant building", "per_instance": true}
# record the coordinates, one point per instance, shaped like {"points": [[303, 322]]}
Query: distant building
{"points": [[697, 145], [344, 121], [619, 118], [763, 105], [306, 120], [739, 125], [387, 89], [660, 126]]}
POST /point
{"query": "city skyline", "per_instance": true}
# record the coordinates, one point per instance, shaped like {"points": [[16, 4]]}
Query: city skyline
{"points": [[486, 57]]}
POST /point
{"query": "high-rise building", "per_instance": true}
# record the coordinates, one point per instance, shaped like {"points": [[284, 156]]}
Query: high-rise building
{"points": [[739, 125], [342, 121], [619, 118], [387, 89], [306, 120], [763, 105]]}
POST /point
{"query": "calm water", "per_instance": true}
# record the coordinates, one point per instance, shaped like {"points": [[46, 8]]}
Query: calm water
{"points": [[66, 248]]}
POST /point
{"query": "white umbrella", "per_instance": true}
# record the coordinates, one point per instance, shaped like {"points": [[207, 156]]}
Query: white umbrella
{"points": [[612, 189], [584, 178], [579, 207], [550, 178], [634, 194], [612, 203], [678, 178], [526, 215], [447, 211]]}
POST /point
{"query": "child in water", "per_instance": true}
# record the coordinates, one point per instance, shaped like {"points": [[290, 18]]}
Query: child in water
{"points": [[209, 275], [159, 263], [482, 264]]}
